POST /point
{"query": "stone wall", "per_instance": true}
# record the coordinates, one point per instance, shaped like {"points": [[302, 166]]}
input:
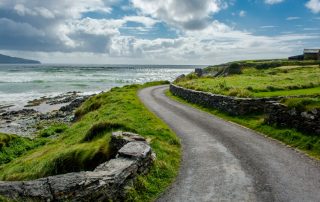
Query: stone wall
{"points": [[277, 113], [108, 182], [229, 104], [304, 121]]}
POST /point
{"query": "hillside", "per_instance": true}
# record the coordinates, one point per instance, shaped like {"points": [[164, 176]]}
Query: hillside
{"points": [[4, 59]]}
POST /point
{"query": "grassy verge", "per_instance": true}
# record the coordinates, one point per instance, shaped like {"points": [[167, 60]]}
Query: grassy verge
{"points": [[308, 143], [84, 144]]}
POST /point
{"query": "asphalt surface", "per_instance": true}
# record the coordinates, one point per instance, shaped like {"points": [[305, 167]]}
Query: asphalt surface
{"points": [[226, 162]]}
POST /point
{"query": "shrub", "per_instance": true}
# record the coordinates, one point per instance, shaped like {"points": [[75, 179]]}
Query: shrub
{"points": [[234, 68]]}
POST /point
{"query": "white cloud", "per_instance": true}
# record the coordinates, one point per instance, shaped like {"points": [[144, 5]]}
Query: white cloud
{"points": [[271, 2], [242, 13], [188, 15], [293, 18], [268, 26], [313, 5], [58, 32]]}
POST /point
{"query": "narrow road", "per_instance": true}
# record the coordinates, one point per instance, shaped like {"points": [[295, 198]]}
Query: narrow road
{"points": [[225, 162]]}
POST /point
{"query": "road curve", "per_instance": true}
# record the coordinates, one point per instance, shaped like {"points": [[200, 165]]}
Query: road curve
{"points": [[225, 162]]}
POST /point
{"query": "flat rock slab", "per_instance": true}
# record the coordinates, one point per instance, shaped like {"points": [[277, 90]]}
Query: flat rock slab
{"points": [[136, 150]]}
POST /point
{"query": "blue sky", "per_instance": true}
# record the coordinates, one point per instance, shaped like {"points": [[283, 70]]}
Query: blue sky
{"points": [[157, 32]]}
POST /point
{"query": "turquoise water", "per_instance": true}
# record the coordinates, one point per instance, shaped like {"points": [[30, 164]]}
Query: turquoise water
{"points": [[20, 83]]}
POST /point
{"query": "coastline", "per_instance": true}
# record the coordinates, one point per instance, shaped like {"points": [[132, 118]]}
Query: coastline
{"points": [[26, 120]]}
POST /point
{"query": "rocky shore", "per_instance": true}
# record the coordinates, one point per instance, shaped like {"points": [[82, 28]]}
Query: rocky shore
{"points": [[25, 122]]}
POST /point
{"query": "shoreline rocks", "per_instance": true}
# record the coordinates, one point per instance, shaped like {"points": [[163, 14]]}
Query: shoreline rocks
{"points": [[23, 122]]}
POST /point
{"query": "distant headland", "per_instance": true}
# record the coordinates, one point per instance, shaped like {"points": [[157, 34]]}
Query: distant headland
{"points": [[4, 59]]}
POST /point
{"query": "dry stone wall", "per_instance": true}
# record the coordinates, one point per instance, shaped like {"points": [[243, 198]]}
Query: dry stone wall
{"points": [[108, 182], [304, 121], [229, 104], [277, 113]]}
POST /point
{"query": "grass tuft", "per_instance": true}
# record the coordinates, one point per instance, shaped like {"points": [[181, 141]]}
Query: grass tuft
{"points": [[100, 128]]}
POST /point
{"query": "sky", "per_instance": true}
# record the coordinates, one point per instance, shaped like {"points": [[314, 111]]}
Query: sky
{"points": [[157, 31]]}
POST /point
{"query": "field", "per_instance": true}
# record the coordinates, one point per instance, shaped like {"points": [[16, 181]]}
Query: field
{"points": [[270, 82], [84, 144]]}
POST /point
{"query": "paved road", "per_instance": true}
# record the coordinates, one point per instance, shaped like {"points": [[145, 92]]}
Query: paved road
{"points": [[225, 162]]}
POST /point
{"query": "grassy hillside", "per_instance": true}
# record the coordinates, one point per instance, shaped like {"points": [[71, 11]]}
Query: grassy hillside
{"points": [[84, 144], [256, 81]]}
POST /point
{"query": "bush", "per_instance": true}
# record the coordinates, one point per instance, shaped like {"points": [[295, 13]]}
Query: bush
{"points": [[234, 68]]}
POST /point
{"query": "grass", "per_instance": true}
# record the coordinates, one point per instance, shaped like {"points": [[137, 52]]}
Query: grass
{"points": [[12, 146], [302, 103], [308, 143], [84, 144], [264, 82]]}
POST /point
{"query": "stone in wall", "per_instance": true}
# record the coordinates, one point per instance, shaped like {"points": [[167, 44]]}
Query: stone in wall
{"points": [[107, 182], [304, 121]]}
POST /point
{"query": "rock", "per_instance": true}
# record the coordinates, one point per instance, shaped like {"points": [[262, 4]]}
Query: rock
{"points": [[292, 112], [119, 139], [307, 115], [135, 150], [182, 76], [199, 72]]}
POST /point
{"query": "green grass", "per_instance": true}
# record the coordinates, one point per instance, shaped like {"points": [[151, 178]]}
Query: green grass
{"points": [[302, 103], [308, 143], [12, 146], [299, 92], [260, 82], [84, 144]]}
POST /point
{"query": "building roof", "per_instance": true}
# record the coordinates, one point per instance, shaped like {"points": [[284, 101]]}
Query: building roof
{"points": [[311, 51]]}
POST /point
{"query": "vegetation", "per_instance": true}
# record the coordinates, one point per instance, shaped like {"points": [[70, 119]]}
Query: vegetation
{"points": [[12, 146], [308, 143], [84, 144], [256, 81], [302, 103]]}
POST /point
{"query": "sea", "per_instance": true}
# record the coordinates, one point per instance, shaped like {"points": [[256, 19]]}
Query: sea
{"points": [[22, 83]]}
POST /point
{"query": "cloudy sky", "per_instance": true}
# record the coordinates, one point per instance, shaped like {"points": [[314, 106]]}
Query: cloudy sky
{"points": [[157, 31]]}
